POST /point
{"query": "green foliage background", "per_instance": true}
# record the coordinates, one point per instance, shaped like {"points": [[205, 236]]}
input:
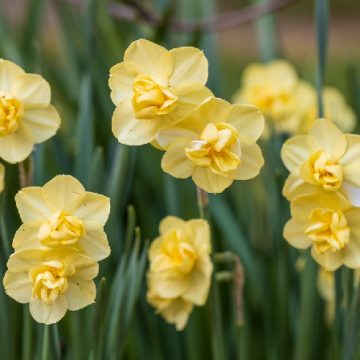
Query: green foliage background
{"points": [[283, 314]]}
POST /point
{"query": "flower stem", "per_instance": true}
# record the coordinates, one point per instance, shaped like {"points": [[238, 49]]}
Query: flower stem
{"points": [[45, 344], [56, 341], [27, 335]]}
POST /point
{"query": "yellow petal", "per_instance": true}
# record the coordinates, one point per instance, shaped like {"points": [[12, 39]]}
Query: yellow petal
{"points": [[329, 260], [294, 234], [326, 136], [166, 136], [294, 152], [8, 73], [171, 222], [95, 244], [295, 186], [168, 288], [16, 147], [120, 83], [150, 59], [31, 205], [42, 123], [26, 237], [131, 131], [94, 207], [251, 162], [86, 268], [2, 177], [209, 181], [200, 235], [190, 66], [18, 286], [80, 295], [352, 192], [63, 192], [48, 314], [32, 90], [247, 120], [175, 162]]}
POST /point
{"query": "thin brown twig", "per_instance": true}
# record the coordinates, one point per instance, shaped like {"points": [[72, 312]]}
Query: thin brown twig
{"points": [[135, 11]]}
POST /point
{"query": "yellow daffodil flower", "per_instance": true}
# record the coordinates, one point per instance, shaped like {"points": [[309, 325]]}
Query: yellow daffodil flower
{"points": [[2, 177], [215, 144], [26, 115], [153, 88], [326, 159], [329, 224], [62, 214], [180, 270], [51, 281]]}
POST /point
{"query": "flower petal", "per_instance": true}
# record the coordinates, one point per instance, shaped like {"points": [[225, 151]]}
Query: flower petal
{"points": [[295, 186], [251, 162], [190, 66], [294, 152], [167, 136], [209, 181], [80, 294], [329, 260], [18, 286], [26, 237], [294, 234], [48, 314], [32, 90], [8, 73], [131, 131], [121, 83], [42, 123]]}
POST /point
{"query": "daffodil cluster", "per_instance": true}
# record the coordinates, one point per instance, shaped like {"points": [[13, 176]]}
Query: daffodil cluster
{"points": [[161, 98], [288, 102], [324, 190], [180, 270], [57, 248]]}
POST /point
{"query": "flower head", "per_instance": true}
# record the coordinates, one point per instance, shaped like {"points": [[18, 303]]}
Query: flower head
{"points": [[52, 281], [325, 159], [215, 144], [180, 270], [153, 88], [63, 214], [2, 177], [26, 115], [328, 223]]}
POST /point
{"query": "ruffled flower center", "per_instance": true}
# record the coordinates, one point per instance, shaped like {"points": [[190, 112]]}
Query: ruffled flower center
{"points": [[323, 169], [11, 112], [151, 99], [61, 229], [176, 254], [50, 280], [218, 148], [329, 230]]}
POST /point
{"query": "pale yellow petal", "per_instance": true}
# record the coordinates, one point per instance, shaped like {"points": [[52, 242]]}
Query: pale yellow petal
{"points": [[121, 83], [48, 314], [190, 66], [329, 260], [131, 131], [175, 162], [170, 223], [32, 90], [248, 120], [326, 136], [209, 181], [80, 295], [63, 192], [149, 59], [294, 234], [8, 73], [31, 205], [166, 136], [26, 237], [94, 207], [168, 287], [86, 268], [42, 123], [295, 186], [251, 162], [18, 286], [352, 192], [22, 261], [353, 149], [16, 147], [200, 235], [95, 243], [294, 152]]}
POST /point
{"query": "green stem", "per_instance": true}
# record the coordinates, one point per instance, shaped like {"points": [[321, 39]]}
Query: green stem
{"points": [[214, 309], [27, 335], [45, 344], [56, 341]]}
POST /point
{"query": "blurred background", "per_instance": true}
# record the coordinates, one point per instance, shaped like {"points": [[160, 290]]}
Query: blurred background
{"points": [[73, 44]]}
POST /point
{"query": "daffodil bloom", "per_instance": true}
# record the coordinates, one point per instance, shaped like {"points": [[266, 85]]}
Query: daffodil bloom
{"points": [[180, 270], [325, 159], [215, 144], [51, 281], [62, 214], [329, 224], [335, 107], [153, 88], [26, 115], [275, 89], [2, 177]]}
